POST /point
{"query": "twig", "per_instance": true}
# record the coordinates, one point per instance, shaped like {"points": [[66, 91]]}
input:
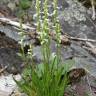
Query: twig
{"points": [[3, 69], [93, 9], [65, 40], [16, 24], [91, 21], [32, 31], [82, 39], [90, 47]]}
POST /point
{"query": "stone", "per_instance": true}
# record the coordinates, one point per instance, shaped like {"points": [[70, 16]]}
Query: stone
{"points": [[8, 85], [12, 5]]}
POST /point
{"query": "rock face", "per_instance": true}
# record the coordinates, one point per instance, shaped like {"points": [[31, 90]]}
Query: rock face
{"points": [[75, 20]]}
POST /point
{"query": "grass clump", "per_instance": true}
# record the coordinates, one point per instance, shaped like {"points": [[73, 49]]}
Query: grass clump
{"points": [[50, 77]]}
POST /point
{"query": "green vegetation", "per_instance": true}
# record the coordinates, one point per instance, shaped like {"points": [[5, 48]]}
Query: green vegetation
{"points": [[49, 78], [24, 4]]}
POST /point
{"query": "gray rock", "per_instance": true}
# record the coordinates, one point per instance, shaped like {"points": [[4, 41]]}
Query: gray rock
{"points": [[12, 5], [10, 32], [8, 85], [75, 20]]}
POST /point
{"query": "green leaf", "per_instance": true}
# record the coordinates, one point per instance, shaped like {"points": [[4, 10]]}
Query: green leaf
{"points": [[25, 4]]}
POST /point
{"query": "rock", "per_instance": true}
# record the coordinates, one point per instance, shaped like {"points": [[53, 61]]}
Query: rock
{"points": [[8, 85], [74, 19], [83, 88], [10, 32], [16, 2], [12, 5], [37, 55], [66, 53], [8, 54]]}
